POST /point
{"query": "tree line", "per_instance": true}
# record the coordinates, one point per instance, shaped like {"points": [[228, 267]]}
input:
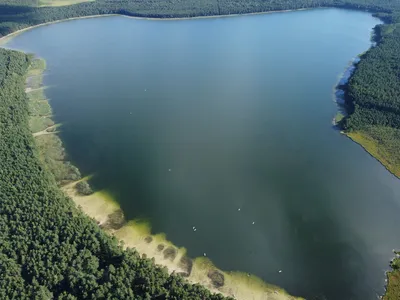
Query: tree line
{"points": [[17, 14], [373, 92]]}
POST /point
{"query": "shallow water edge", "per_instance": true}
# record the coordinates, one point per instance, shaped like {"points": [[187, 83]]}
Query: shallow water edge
{"points": [[115, 218], [104, 209], [5, 39]]}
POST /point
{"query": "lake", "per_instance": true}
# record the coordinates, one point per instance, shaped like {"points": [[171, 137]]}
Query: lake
{"points": [[225, 124]]}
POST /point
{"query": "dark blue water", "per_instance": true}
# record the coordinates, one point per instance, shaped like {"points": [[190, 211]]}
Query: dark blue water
{"points": [[187, 121]]}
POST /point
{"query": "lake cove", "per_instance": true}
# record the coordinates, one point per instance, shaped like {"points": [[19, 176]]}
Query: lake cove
{"points": [[218, 134]]}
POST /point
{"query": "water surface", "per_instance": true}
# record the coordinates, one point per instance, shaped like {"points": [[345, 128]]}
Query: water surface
{"points": [[186, 122]]}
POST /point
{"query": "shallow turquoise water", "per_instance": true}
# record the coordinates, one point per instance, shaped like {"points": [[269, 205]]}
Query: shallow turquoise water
{"points": [[187, 121]]}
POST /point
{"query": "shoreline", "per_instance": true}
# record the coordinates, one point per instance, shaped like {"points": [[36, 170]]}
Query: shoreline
{"points": [[367, 142], [358, 138], [105, 210], [200, 270], [370, 147], [6, 38]]}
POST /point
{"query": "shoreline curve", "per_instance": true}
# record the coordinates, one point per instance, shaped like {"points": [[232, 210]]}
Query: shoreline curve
{"points": [[103, 208], [7, 37]]}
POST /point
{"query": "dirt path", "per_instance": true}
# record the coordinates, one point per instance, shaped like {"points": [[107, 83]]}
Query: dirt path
{"points": [[45, 131], [28, 89]]}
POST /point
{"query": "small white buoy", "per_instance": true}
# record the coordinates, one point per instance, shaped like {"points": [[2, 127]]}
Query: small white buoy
{"points": [[238, 209], [130, 113], [169, 170], [280, 271], [254, 223], [194, 229], [205, 254], [145, 90]]}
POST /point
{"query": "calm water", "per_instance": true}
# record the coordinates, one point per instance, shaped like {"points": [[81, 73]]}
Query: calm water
{"points": [[185, 122]]}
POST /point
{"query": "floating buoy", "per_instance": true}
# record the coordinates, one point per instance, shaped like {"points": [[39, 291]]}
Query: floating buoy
{"points": [[204, 254], [194, 229], [169, 170], [238, 209], [280, 271], [254, 223]]}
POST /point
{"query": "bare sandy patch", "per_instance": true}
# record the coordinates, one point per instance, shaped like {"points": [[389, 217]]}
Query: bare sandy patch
{"points": [[61, 2], [136, 234]]}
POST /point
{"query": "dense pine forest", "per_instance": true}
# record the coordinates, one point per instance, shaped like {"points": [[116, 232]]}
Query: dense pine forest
{"points": [[48, 248]]}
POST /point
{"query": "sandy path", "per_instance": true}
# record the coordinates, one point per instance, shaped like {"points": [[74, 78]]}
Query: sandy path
{"points": [[28, 89], [45, 131]]}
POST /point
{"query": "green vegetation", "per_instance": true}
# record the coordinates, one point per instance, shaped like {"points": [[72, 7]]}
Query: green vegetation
{"points": [[83, 188], [42, 126], [37, 124], [338, 117], [373, 96], [49, 248], [381, 142], [373, 93], [39, 109], [393, 287], [372, 99]]}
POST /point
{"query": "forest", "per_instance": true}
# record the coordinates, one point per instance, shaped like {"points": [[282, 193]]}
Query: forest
{"points": [[48, 248], [18, 14]]}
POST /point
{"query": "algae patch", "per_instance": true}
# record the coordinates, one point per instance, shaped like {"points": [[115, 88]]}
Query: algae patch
{"points": [[137, 234]]}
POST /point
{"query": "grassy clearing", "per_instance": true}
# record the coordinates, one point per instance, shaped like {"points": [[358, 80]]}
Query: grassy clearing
{"points": [[37, 66], [393, 287], [38, 104], [98, 205], [39, 108], [34, 82], [338, 117], [49, 145], [383, 143], [53, 155], [37, 123], [61, 2], [36, 94]]}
